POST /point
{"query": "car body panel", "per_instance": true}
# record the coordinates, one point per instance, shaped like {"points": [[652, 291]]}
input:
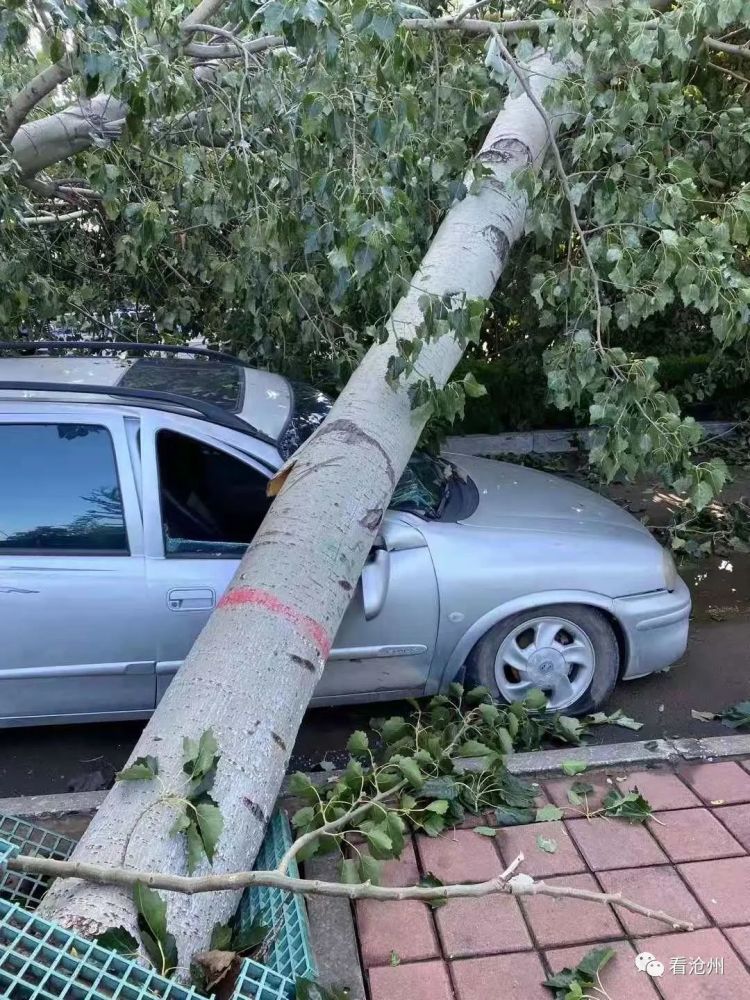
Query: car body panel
{"points": [[429, 591]]}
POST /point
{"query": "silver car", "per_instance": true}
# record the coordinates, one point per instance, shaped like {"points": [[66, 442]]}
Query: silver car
{"points": [[131, 485]]}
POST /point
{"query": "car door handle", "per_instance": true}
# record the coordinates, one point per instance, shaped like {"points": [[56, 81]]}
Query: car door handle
{"points": [[200, 599]]}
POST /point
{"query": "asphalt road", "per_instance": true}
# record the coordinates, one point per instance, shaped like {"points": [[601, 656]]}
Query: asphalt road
{"points": [[714, 673]]}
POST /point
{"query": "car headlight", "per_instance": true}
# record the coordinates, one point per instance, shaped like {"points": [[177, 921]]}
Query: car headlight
{"points": [[670, 570]]}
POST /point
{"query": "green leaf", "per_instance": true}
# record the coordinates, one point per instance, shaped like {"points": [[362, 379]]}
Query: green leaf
{"points": [[535, 700], [369, 869], [473, 748], [514, 816], [548, 814], [472, 388], [200, 758], [547, 844], [378, 839], [430, 881], [160, 945], [349, 871], [210, 825], [573, 767], [358, 744], [594, 961], [194, 844], [303, 817], [632, 806], [250, 937], [120, 940], [440, 806], [142, 769], [221, 937], [410, 770], [486, 831]]}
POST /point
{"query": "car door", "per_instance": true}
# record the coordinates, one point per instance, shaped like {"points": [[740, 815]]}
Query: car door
{"points": [[72, 575], [204, 500]]}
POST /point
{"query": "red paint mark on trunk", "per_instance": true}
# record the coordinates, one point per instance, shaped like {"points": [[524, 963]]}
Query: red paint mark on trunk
{"points": [[310, 628]]}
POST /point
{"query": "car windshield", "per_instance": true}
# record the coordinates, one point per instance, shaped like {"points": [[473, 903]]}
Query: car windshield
{"points": [[425, 486], [310, 407]]}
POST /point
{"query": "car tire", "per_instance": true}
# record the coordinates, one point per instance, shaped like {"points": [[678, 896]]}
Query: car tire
{"points": [[584, 623]]}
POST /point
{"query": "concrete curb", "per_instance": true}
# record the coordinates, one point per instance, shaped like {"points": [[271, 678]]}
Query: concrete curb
{"points": [[536, 762]]}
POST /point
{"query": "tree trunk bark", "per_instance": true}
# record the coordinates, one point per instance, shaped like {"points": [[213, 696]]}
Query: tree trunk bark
{"points": [[254, 667]]}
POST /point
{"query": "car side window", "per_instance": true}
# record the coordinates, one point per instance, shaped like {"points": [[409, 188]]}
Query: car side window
{"points": [[60, 492], [211, 502]]}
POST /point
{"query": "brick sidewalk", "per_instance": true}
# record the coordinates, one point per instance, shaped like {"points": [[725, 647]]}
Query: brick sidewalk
{"points": [[692, 860]]}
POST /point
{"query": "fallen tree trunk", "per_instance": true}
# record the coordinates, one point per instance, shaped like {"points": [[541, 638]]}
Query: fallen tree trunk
{"points": [[253, 669]]}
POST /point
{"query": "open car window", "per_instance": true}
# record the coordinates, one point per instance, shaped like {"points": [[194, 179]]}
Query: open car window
{"points": [[211, 502]]}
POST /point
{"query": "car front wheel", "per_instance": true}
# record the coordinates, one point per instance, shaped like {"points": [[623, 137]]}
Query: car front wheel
{"points": [[568, 650]]}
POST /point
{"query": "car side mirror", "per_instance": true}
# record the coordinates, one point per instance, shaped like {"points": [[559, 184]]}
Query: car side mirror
{"points": [[375, 577]]}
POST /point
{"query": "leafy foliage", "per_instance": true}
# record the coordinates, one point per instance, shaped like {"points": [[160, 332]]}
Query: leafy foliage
{"points": [[427, 771], [575, 983]]}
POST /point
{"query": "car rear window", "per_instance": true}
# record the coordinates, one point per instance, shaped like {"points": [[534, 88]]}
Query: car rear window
{"points": [[61, 492], [209, 381]]}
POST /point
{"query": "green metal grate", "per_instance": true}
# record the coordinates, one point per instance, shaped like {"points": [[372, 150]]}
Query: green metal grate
{"points": [[32, 945], [40, 961], [28, 838]]}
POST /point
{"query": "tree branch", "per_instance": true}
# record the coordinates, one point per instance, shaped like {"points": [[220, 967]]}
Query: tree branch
{"points": [[476, 26], [203, 12], [519, 885], [734, 50], [47, 220], [235, 48], [35, 91]]}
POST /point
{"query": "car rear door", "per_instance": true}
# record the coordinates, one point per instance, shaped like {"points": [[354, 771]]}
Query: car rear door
{"points": [[72, 573]]}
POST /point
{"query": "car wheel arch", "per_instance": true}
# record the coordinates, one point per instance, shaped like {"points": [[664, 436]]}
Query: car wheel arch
{"points": [[529, 602]]}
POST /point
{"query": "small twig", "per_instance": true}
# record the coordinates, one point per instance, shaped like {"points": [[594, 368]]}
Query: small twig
{"points": [[101, 875], [335, 825], [512, 866], [729, 72], [470, 10], [563, 177]]}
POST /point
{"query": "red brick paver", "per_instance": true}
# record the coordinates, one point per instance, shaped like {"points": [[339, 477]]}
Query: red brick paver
{"points": [[460, 856], [565, 860], [659, 888], [558, 789], [740, 938], [620, 977], [737, 818], [419, 981], [484, 926], [609, 844], [556, 921], [662, 789], [732, 984], [723, 783], [723, 887], [693, 835], [519, 977], [691, 860], [405, 927]]}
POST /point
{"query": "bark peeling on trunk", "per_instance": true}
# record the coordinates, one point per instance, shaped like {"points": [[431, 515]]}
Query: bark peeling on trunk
{"points": [[253, 669]]}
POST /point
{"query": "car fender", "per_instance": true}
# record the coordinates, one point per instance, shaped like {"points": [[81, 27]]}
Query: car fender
{"points": [[526, 602]]}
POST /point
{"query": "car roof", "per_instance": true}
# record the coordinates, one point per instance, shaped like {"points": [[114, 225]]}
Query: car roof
{"points": [[261, 400]]}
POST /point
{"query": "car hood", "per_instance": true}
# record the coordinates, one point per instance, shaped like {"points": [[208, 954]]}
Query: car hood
{"points": [[513, 496]]}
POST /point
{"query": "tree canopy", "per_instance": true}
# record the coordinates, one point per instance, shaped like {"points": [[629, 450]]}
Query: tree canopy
{"points": [[273, 184]]}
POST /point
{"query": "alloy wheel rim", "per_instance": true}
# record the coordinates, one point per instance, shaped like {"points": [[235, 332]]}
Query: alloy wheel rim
{"points": [[550, 653]]}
